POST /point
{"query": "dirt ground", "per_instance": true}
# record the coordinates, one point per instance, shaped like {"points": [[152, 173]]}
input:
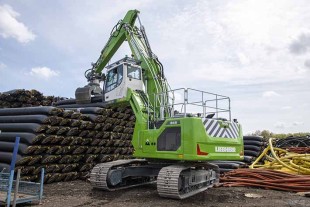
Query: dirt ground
{"points": [[80, 193]]}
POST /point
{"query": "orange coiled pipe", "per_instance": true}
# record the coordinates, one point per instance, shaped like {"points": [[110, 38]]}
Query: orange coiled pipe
{"points": [[267, 179]]}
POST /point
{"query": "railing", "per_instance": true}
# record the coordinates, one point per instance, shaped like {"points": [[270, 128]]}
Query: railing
{"points": [[191, 102]]}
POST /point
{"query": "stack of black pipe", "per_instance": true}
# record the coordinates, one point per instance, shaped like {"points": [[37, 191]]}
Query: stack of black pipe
{"points": [[113, 129], [67, 143], [25, 98], [253, 147]]}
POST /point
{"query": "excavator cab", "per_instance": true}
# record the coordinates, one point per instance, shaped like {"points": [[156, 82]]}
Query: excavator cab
{"points": [[123, 74]]}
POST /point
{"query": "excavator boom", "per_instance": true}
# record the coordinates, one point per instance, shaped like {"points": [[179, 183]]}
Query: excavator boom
{"points": [[117, 37], [152, 70]]}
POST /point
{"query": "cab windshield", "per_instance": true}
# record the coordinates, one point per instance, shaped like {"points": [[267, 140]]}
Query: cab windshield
{"points": [[114, 78]]}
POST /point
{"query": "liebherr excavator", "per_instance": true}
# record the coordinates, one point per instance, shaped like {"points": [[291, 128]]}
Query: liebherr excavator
{"points": [[172, 148]]}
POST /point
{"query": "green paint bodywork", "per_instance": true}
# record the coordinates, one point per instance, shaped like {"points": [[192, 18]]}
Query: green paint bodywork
{"points": [[193, 133]]}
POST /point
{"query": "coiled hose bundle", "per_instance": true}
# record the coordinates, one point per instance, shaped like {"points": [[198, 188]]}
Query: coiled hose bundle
{"points": [[283, 160], [267, 179], [291, 141]]}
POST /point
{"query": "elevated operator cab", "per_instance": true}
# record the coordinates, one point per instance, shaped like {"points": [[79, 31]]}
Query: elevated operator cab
{"points": [[123, 74]]}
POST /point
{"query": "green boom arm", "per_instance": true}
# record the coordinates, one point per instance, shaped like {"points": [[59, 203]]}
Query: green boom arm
{"points": [[153, 75], [118, 36]]}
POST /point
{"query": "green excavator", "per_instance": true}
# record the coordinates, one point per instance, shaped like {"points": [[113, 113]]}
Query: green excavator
{"points": [[173, 141]]}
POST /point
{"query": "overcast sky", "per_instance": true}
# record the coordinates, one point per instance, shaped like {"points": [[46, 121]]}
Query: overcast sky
{"points": [[256, 52]]}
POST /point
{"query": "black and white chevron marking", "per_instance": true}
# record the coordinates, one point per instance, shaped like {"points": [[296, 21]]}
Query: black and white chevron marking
{"points": [[214, 129]]}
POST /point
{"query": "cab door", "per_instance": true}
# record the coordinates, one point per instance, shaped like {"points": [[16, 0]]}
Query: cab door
{"points": [[115, 83]]}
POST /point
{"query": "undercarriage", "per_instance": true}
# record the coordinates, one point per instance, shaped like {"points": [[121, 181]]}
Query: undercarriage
{"points": [[177, 180]]}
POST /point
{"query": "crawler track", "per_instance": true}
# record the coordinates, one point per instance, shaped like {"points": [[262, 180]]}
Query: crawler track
{"points": [[175, 181], [99, 175]]}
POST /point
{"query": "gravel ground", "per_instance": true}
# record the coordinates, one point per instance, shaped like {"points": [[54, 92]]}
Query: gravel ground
{"points": [[80, 193]]}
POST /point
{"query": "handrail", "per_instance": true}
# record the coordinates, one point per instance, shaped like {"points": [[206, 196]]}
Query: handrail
{"points": [[195, 98]]}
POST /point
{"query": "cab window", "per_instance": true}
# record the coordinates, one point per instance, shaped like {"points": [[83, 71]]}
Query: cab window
{"points": [[133, 72], [114, 78]]}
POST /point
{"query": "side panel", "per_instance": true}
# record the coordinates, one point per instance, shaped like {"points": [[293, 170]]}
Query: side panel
{"points": [[196, 142]]}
